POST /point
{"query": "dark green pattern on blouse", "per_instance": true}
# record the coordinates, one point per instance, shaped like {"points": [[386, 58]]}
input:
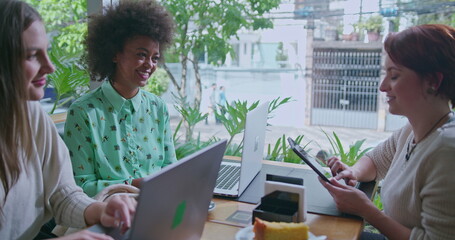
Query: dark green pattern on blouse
{"points": [[114, 140]]}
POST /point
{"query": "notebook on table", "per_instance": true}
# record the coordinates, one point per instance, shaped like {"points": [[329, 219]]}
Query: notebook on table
{"points": [[235, 176], [173, 203]]}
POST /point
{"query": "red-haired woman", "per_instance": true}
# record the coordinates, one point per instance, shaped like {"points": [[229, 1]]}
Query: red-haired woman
{"points": [[416, 163]]}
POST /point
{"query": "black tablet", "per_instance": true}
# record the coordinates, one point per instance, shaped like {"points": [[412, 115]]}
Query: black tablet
{"points": [[310, 161]]}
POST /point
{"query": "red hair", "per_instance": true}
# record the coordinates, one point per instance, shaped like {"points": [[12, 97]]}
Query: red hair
{"points": [[427, 50]]}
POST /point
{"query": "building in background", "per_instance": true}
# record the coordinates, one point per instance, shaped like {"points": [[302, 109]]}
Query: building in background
{"points": [[321, 54]]}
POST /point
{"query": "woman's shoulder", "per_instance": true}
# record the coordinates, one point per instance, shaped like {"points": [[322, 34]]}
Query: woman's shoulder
{"points": [[35, 110], [39, 119], [86, 99], [440, 148], [447, 133], [34, 107], [442, 142], [402, 134], [152, 98]]}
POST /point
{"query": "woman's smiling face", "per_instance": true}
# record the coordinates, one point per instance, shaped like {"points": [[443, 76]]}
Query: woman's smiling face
{"points": [[135, 64], [404, 88], [36, 63]]}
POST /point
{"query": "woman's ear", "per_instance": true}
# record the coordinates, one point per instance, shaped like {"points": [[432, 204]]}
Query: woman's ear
{"points": [[437, 80], [434, 81]]}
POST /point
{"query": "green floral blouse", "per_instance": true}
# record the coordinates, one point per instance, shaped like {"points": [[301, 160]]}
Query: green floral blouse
{"points": [[115, 140]]}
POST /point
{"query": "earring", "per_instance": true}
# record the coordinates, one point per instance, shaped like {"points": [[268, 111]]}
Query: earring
{"points": [[431, 91]]}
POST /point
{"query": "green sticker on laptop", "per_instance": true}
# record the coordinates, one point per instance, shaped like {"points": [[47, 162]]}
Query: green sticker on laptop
{"points": [[178, 217]]}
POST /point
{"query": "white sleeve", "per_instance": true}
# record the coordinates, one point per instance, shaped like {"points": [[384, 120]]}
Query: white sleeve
{"points": [[66, 200]]}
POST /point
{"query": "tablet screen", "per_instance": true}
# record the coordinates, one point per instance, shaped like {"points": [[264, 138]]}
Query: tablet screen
{"points": [[310, 161]]}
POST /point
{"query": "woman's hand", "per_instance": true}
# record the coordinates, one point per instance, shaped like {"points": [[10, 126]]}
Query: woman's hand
{"points": [[342, 171], [349, 199], [85, 234], [118, 212]]}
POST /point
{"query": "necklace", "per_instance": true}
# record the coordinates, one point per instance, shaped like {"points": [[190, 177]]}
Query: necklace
{"points": [[410, 148]]}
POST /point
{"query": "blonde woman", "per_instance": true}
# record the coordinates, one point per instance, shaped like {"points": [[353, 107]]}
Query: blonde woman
{"points": [[35, 167]]}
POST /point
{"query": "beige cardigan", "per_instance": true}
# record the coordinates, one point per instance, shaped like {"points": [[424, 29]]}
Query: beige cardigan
{"points": [[419, 193], [46, 188]]}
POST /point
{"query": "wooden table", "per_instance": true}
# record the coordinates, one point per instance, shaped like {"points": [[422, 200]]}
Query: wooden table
{"points": [[58, 117], [219, 228]]}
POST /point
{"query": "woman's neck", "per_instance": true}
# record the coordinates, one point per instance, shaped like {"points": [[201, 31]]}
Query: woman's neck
{"points": [[124, 91], [425, 122]]}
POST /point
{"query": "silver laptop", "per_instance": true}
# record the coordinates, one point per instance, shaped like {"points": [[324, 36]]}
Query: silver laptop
{"points": [[235, 176], [174, 203]]}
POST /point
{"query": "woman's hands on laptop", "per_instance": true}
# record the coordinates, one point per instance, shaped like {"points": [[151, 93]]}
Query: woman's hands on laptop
{"points": [[117, 211], [342, 171]]}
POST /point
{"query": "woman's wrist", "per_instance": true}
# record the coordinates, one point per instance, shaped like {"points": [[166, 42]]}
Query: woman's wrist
{"points": [[364, 170], [92, 213], [136, 182], [355, 173], [371, 213]]}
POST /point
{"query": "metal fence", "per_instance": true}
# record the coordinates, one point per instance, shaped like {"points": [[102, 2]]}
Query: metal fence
{"points": [[345, 86]]}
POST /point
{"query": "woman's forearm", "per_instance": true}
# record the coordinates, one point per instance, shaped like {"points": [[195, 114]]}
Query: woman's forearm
{"points": [[364, 169], [386, 225]]}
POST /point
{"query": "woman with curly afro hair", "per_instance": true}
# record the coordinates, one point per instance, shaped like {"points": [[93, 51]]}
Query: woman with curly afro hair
{"points": [[120, 133]]}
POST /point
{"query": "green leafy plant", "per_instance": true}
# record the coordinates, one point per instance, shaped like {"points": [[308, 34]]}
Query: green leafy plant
{"points": [[350, 156], [66, 21], [204, 28], [158, 83], [377, 201], [183, 149], [233, 117], [282, 152], [277, 102], [372, 24], [70, 79], [190, 116], [232, 150]]}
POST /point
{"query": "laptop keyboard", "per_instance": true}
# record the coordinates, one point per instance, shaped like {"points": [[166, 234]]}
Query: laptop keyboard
{"points": [[227, 177]]}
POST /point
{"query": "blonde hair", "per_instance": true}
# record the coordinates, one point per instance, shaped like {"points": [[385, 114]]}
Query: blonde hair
{"points": [[15, 129]]}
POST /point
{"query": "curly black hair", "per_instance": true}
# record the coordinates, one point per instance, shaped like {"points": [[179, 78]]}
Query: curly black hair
{"points": [[108, 32]]}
